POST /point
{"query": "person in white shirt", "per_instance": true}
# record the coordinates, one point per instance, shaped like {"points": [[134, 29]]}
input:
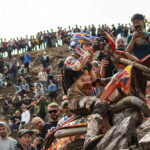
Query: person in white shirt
{"points": [[25, 116]]}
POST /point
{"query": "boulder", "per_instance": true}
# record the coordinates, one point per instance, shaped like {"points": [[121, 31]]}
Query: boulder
{"points": [[143, 135], [119, 136]]}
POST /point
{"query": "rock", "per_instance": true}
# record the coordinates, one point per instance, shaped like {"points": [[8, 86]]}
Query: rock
{"points": [[143, 129], [143, 135], [144, 143], [118, 137]]}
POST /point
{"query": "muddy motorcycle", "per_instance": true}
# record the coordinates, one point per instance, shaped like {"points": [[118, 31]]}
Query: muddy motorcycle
{"points": [[126, 95]]}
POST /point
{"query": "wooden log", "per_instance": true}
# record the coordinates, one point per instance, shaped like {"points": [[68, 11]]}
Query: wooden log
{"points": [[70, 132], [135, 64], [131, 102]]}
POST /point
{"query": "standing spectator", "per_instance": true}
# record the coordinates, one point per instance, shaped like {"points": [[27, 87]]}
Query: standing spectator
{"points": [[52, 90], [43, 77], [27, 59], [120, 44], [53, 110], [9, 49], [13, 72], [24, 139], [25, 117], [7, 106], [42, 107], [45, 60], [1, 64], [14, 121], [138, 43], [49, 71], [22, 58], [6, 143], [1, 80]]}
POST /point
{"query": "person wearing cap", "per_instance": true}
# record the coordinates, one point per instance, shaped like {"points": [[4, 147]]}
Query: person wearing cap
{"points": [[66, 112], [6, 143], [53, 110], [24, 139]]}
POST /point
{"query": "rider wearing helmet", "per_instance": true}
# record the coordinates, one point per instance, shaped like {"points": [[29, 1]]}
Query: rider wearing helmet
{"points": [[83, 78]]}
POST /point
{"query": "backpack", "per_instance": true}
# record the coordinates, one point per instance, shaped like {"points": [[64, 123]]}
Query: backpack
{"points": [[68, 77]]}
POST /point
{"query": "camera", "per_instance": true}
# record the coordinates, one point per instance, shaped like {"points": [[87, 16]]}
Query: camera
{"points": [[118, 31], [137, 27], [100, 43]]}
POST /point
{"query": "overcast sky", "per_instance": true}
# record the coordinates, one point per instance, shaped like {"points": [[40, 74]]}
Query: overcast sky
{"points": [[21, 17]]}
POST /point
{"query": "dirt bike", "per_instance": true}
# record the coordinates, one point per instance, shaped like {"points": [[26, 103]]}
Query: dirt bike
{"points": [[126, 95]]}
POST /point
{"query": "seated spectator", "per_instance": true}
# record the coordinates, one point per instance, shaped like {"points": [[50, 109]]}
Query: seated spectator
{"points": [[49, 71], [22, 71], [17, 102], [20, 80], [28, 79], [25, 117], [7, 105], [43, 77], [6, 143], [67, 113], [52, 90], [1, 80], [24, 88], [53, 110], [45, 60], [42, 107], [38, 91], [27, 102], [14, 121], [37, 144], [38, 83], [24, 139], [38, 123]]}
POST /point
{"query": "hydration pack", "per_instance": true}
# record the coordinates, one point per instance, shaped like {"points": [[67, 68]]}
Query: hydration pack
{"points": [[68, 77]]}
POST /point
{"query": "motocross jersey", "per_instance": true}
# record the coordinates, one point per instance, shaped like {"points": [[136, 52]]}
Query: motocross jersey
{"points": [[82, 86]]}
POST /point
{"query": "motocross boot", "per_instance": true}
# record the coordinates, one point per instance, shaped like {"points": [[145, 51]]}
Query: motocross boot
{"points": [[93, 128]]}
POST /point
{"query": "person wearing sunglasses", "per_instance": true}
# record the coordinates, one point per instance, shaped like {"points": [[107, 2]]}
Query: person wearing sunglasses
{"points": [[53, 111]]}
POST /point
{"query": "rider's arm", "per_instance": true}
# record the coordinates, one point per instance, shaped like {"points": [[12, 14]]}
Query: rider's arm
{"points": [[130, 43], [101, 81], [77, 64]]}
